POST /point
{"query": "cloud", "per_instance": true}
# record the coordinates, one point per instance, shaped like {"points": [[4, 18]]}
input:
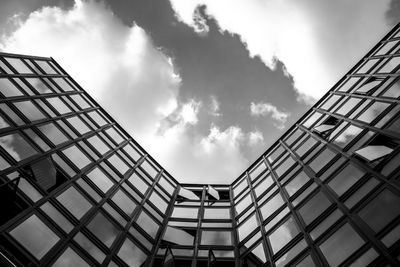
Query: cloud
{"points": [[264, 109], [316, 40], [118, 65]]}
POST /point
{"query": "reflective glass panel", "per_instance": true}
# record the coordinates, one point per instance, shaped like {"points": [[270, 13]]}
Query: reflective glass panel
{"points": [[74, 202], [131, 254], [283, 234], [101, 227], [314, 207]]}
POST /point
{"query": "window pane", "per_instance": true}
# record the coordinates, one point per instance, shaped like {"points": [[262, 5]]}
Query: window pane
{"points": [[381, 210], [7, 88], [17, 147], [217, 238], [271, 206], [60, 219], [58, 105], [35, 236], [373, 111], [247, 227], [131, 254], [74, 202], [347, 136], [124, 202], [281, 236], [76, 156], [100, 146], [78, 124], [322, 159], [263, 186], [117, 163], [314, 207], [217, 213], [29, 110], [103, 229], [53, 133], [341, 245], [160, 203], [70, 259], [100, 179], [89, 247], [185, 212], [345, 179], [148, 224], [296, 183]]}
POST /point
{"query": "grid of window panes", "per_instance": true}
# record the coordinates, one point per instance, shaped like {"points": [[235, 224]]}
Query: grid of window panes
{"points": [[328, 192], [76, 189], [198, 224]]}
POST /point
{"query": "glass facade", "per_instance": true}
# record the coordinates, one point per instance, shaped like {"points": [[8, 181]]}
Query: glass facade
{"points": [[77, 190]]}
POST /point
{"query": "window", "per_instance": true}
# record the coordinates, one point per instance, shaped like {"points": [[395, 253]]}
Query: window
{"points": [[147, 224], [35, 236], [341, 245], [57, 217], [118, 164], [326, 128], [373, 111], [271, 206], [76, 156], [216, 238], [103, 229], [330, 101], [369, 85], [348, 106], [346, 178], [247, 227], [158, 201], [69, 259], [283, 234], [293, 252], [131, 254], [16, 146], [322, 160], [89, 247], [74, 202], [347, 136], [124, 202], [381, 210], [78, 124], [100, 179], [54, 134], [185, 212], [314, 207], [7, 88], [263, 185], [29, 110], [217, 213], [296, 183], [59, 105]]}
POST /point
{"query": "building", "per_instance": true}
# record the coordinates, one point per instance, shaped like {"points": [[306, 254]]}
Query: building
{"points": [[77, 190]]}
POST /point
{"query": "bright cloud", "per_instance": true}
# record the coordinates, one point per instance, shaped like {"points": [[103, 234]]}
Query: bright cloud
{"points": [[264, 109], [136, 83], [316, 40]]}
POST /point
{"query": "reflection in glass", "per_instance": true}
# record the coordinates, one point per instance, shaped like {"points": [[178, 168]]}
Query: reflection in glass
{"points": [[29, 110], [148, 224], [131, 254], [271, 206], [217, 213], [70, 259], [78, 124], [124, 202], [347, 136], [341, 245], [381, 210], [53, 133], [314, 207], [35, 236], [293, 252], [89, 247], [373, 111], [178, 236], [76, 156], [74, 202], [7, 88], [345, 179], [185, 212], [16, 146], [296, 183], [247, 227], [100, 179], [216, 238], [56, 216], [103, 229], [283, 234]]}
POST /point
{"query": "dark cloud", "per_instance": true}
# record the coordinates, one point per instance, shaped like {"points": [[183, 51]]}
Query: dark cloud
{"points": [[393, 13]]}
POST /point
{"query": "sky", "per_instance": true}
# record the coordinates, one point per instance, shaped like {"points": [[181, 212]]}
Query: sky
{"points": [[204, 86]]}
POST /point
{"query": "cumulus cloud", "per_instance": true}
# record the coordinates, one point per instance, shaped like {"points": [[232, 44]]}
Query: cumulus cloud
{"points": [[316, 40], [264, 109], [118, 65]]}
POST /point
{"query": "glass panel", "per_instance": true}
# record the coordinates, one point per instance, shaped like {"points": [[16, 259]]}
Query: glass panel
{"points": [[185, 212], [381, 210], [131, 254], [288, 162], [114, 135], [124, 202], [349, 105], [89, 247], [56, 103], [78, 124], [345, 179], [325, 224], [74, 202], [341, 245], [80, 101], [247, 227], [322, 159], [53, 133], [271, 206], [258, 251], [76, 156], [54, 214], [100, 179], [373, 111], [29, 110], [38, 84], [7, 88], [263, 185], [243, 204], [17, 147], [296, 183], [101, 227], [160, 203], [331, 100], [117, 163], [100, 146], [293, 252], [347, 136], [217, 213], [314, 207], [148, 224], [18, 64], [138, 183], [35, 236], [283, 234], [70, 259], [365, 258], [216, 238]]}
